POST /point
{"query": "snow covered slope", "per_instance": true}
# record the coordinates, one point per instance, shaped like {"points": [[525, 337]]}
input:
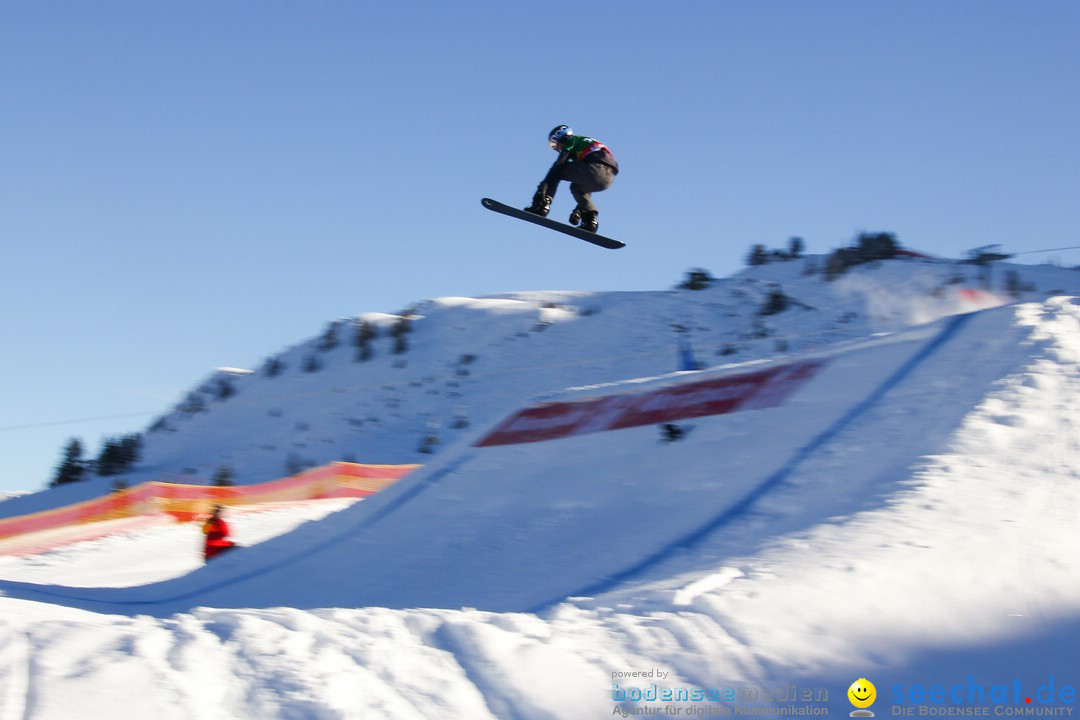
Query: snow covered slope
{"points": [[469, 361], [907, 515]]}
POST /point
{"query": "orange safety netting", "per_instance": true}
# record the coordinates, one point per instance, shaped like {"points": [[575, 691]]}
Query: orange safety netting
{"points": [[187, 502]]}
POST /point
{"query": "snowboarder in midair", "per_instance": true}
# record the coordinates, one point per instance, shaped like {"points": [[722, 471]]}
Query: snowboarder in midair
{"points": [[587, 164]]}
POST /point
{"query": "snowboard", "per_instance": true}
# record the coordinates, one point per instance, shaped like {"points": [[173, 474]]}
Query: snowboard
{"points": [[604, 242]]}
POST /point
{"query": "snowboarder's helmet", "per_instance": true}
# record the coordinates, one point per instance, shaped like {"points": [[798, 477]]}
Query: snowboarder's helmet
{"points": [[559, 134]]}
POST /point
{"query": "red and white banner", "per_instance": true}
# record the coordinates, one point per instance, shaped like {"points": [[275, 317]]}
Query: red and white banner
{"points": [[747, 391]]}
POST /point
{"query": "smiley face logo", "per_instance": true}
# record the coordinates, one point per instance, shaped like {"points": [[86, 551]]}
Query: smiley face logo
{"points": [[862, 693]]}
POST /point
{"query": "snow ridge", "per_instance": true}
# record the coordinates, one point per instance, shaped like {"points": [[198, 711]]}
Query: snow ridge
{"points": [[906, 516]]}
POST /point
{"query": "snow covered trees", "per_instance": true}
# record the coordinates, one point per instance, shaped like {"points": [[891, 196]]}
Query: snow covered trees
{"points": [[697, 279], [365, 332], [869, 247], [72, 467], [760, 255], [117, 456]]}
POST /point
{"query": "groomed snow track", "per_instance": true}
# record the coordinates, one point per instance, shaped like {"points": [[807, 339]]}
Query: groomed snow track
{"points": [[521, 527]]}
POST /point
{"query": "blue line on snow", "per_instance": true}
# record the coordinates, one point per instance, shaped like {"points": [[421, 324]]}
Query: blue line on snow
{"points": [[698, 534]]}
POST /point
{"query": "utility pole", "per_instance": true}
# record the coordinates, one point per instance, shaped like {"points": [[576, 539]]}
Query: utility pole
{"points": [[983, 256]]}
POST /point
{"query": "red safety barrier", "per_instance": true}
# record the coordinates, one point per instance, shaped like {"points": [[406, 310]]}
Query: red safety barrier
{"points": [[187, 502]]}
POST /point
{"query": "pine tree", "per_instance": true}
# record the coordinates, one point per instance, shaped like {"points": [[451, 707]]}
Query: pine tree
{"points": [[72, 467], [697, 279], [877, 246], [776, 302], [365, 333], [329, 340], [225, 388], [223, 477], [758, 255], [108, 462], [796, 247], [118, 455], [273, 367], [399, 332], [194, 403]]}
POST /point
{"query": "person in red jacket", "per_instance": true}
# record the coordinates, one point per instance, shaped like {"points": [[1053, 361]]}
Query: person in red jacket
{"points": [[217, 534]]}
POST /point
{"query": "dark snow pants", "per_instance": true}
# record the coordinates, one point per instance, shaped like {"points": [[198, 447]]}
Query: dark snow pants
{"points": [[585, 178]]}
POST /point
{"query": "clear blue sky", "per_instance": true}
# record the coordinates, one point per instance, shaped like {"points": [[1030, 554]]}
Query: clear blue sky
{"points": [[187, 185]]}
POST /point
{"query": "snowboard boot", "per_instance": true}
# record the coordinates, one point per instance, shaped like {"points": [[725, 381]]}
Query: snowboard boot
{"points": [[541, 204], [589, 222], [575, 217]]}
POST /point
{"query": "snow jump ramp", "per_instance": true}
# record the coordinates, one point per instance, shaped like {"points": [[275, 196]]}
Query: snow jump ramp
{"points": [[580, 494]]}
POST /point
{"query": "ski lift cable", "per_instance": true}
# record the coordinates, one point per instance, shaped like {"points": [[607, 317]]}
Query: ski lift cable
{"points": [[76, 421], [1032, 252]]}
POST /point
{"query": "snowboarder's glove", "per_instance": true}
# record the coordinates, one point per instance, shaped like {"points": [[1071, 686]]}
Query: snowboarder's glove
{"points": [[541, 204]]}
